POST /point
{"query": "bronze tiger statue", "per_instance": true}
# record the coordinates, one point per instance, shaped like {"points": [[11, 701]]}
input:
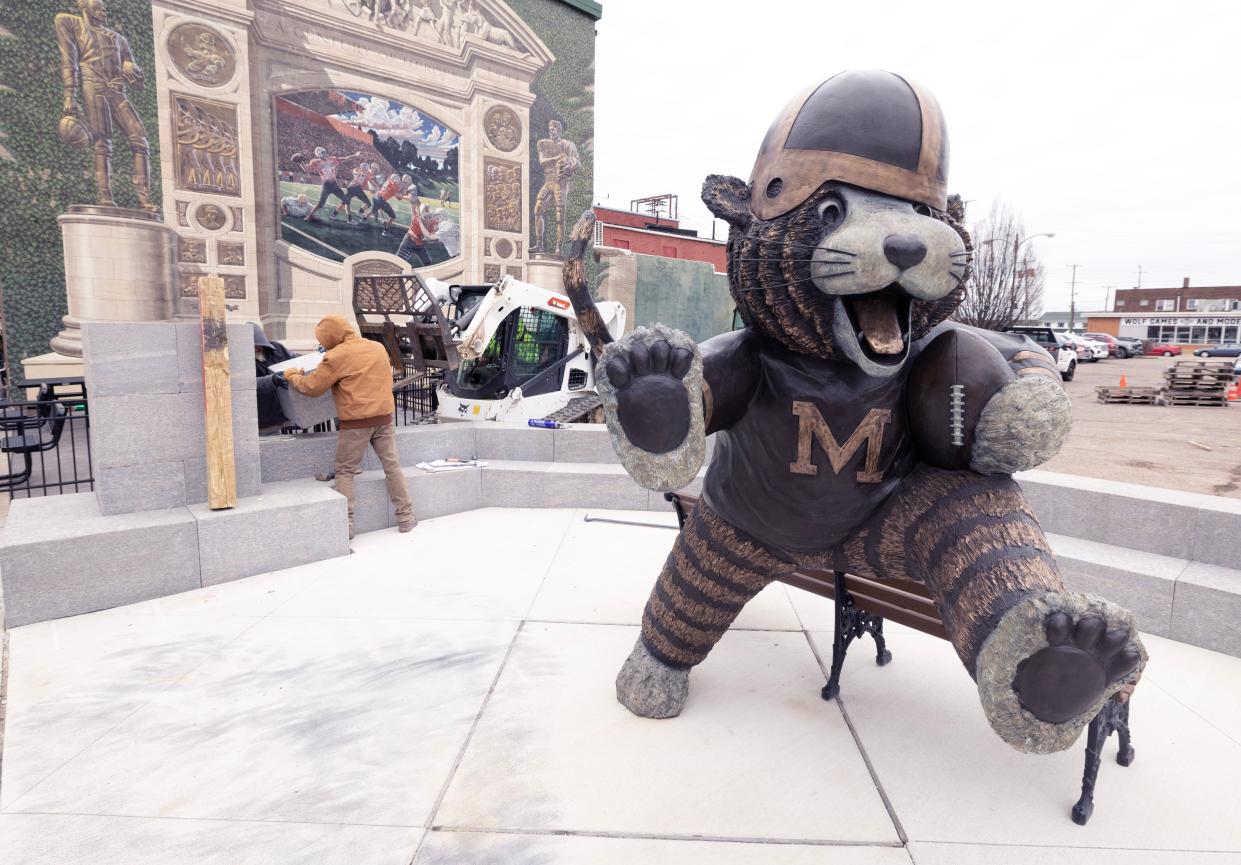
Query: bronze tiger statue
{"points": [[856, 427]]}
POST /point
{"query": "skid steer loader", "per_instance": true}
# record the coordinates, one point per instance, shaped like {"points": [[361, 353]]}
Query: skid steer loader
{"points": [[511, 351]]}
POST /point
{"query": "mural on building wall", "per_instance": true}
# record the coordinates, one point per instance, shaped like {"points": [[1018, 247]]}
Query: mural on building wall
{"points": [[359, 172], [448, 22], [206, 156], [36, 167], [501, 195], [565, 94], [202, 55]]}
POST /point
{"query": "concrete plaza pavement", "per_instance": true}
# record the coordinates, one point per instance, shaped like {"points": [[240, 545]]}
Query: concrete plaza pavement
{"points": [[447, 696]]}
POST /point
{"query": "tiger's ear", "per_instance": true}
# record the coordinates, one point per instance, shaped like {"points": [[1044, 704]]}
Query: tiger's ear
{"points": [[729, 199]]}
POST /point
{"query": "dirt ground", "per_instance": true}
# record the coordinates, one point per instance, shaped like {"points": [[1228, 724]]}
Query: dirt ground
{"points": [[1147, 444]]}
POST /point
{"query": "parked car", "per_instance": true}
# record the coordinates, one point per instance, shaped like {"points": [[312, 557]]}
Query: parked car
{"points": [[1058, 347], [1224, 349], [1087, 349], [1113, 347], [1164, 349], [1128, 346]]}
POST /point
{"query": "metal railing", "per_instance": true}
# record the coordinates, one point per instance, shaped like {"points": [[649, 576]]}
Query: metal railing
{"points": [[416, 403], [45, 438]]}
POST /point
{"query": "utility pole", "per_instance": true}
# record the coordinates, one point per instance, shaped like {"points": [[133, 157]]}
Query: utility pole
{"points": [[1139, 276], [1073, 297]]}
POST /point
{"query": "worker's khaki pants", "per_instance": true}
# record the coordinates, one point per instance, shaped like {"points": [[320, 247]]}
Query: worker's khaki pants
{"points": [[350, 450]]}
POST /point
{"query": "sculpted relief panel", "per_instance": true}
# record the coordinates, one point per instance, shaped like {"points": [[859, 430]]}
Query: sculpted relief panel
{"points": [[502, 195], [202, 55], [206, 154]]}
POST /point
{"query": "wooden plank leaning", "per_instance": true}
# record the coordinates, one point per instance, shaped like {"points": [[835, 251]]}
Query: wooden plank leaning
{"points": [[217, 395]]}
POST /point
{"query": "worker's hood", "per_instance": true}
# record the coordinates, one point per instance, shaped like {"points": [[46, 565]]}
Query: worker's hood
{"points": [[260, 338], [333, 330]]}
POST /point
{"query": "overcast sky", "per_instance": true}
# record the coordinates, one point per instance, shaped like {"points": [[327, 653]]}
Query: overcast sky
{"points": [[1117, 126]]}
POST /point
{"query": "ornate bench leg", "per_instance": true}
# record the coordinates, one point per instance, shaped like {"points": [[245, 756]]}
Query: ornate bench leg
{"points": [[850, 623], [1113, 717]]}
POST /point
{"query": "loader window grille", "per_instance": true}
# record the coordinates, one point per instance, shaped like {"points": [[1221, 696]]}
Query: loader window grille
{"points": [[540, 341], [577, 379]]}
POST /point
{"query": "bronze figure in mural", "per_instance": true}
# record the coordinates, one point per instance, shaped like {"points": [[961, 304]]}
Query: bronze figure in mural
{"points": [[202, 55], [503, 128], [501, 195], [559, 159], [97, 65], [206, 156]]}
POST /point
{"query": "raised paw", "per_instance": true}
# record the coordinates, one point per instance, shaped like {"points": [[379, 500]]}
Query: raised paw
{"points": [[1065, 678], [651, 402]]}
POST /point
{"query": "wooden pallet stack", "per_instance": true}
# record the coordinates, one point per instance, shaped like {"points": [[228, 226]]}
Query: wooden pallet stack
{"points": [[1197, 382], [1127, 395]]}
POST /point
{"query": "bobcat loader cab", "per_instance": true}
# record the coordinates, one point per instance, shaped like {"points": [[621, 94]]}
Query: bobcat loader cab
{"points": [[522, 354]]}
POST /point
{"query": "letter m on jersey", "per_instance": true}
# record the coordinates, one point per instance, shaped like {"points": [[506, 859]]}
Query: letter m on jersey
{"points": [[811, 426]]}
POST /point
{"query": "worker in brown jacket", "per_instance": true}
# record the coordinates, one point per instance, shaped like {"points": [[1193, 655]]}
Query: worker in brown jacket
{"points": [[360, 376]]}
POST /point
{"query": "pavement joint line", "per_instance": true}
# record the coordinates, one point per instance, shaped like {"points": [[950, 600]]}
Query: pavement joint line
{"points": [[195, 819], [1193, 711], [469, 737], [1074, 847], [857, 740], [534, 597], [136, 710], [660, 836]]}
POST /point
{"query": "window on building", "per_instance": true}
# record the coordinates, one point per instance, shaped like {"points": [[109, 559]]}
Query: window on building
{"points": [[1182, 334], [1152, 331], [1198, 334], [1234, 304], [1144, 302], [1059, 325], [1191, 304], [670, 252], [1214, 334], [1230, 333], [1120, 304], [1168, 305]]}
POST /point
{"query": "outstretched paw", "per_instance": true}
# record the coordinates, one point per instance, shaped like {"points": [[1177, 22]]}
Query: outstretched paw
{"points": [[1067, 677], [650, 395], [651, 385]]}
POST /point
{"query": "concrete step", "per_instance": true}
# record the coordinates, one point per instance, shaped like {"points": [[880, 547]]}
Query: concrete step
{"points": [[60, 556], [1180, 599]]}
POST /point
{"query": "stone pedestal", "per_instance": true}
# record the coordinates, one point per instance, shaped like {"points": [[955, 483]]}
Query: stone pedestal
{"points": [[118, 267], [546, 271]]}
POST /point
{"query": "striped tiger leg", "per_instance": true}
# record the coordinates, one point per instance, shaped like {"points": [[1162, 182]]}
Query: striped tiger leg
{"points": [[1045, 659], [710, 575]]}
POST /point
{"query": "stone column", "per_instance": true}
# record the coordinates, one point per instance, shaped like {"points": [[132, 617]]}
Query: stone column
{"points": [[118, 267], [546, 271]]}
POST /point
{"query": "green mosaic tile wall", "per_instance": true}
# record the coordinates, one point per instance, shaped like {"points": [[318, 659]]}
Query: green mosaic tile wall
{"points": [[42, 177]]}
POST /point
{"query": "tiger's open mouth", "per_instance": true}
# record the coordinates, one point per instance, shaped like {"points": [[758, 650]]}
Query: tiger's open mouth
{"points": [[878, 322]]}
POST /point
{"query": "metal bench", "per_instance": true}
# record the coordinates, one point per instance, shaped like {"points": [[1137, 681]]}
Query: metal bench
{"points": [[862, 604]]}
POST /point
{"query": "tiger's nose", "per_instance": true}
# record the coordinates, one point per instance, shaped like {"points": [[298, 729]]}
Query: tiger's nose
{"points": [[903, 250]]}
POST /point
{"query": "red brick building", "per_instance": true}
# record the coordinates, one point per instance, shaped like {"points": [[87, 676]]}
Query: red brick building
{"points": [[1207, 298], [1188, 316], [660, 236]]}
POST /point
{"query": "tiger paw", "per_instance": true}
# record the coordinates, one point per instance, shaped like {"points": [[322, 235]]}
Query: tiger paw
{"points": [[1067, 676], [1051, 663], [651, 385]]}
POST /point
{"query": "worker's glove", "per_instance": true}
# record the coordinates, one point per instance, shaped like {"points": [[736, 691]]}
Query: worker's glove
{"points": [[279, 380]]}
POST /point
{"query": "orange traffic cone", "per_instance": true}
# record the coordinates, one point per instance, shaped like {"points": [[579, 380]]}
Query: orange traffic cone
{"points": [[1234, 392], [1124, 382]]}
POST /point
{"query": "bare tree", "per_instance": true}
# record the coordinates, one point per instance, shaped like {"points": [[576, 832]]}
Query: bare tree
{"points": [[1007, 283]]}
